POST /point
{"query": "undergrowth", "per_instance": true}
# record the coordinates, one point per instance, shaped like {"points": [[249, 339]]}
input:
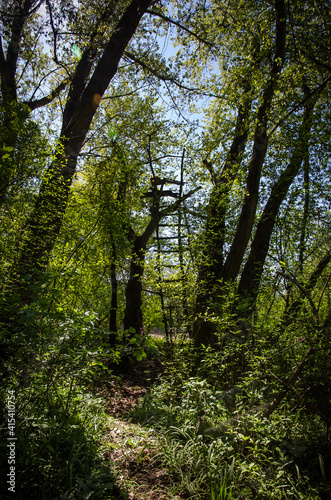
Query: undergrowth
{"points": [[210, 409], [219, 443], [56, 419]]}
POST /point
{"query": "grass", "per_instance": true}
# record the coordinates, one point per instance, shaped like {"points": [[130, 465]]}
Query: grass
{"points": [[216, 448], [187, 438]]}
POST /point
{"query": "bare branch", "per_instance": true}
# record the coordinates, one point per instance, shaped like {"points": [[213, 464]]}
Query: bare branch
{"points": [[38, 103], [305, 99], [173, 207], [184, 28], [288, 384], [165, 78], [55, 31]]}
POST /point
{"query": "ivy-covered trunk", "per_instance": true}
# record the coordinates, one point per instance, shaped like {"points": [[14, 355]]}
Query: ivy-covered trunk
{"points": [[252, 272], [83, 100], [204, 329], [133, 293]]}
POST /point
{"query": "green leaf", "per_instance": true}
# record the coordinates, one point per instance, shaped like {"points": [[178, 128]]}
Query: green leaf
{"points": [[77, 52]]}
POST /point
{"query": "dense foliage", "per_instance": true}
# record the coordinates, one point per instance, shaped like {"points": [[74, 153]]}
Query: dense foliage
{"points": [[165, 166]]}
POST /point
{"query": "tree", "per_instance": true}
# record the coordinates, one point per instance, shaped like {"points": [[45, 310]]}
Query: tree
{"points": [[259, 113], [133, 316], [228, 270], [146, 160], [126, 185], [263, 67], [251, 274], [83, 99], [17, 18]]}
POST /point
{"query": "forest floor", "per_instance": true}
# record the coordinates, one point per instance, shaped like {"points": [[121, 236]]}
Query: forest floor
{"points": [[132, 448]]}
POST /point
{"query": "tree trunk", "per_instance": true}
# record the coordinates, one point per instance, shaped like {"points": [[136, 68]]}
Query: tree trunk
{"points": [[133, 315], [8, 64], [204, 329], [13, 112], [133, 293], [211, 265], [251, 275], [113, 306], [305, 211], [46, 219], [164, 315], [260, 145]]}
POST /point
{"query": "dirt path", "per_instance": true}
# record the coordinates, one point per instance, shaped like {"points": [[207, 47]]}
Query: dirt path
{"points": [[133, 448]]}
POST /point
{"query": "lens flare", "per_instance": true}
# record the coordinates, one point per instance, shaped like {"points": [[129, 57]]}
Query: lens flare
{"points": [[77, 52], [112, 132]]}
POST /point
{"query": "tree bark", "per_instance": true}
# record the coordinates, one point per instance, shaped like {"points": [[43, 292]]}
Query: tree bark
{"points": [[8, 63], [260, 145], [46, 219], [133, 293], [12, 110], [305, 216], [252, 272], [204, 329], [113, 306], [211, 265]]}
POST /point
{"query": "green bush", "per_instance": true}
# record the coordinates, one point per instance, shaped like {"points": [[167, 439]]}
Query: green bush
{"points": [[59, 423]]}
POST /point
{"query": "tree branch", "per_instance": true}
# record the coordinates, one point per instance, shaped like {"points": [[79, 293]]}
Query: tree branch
{"points": [[55, 31], [165, 78], [305, 290], [288, 385], [303, 101], [252, 272], [176, 23], [260, 145], [173, 207], [38, 103]]}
